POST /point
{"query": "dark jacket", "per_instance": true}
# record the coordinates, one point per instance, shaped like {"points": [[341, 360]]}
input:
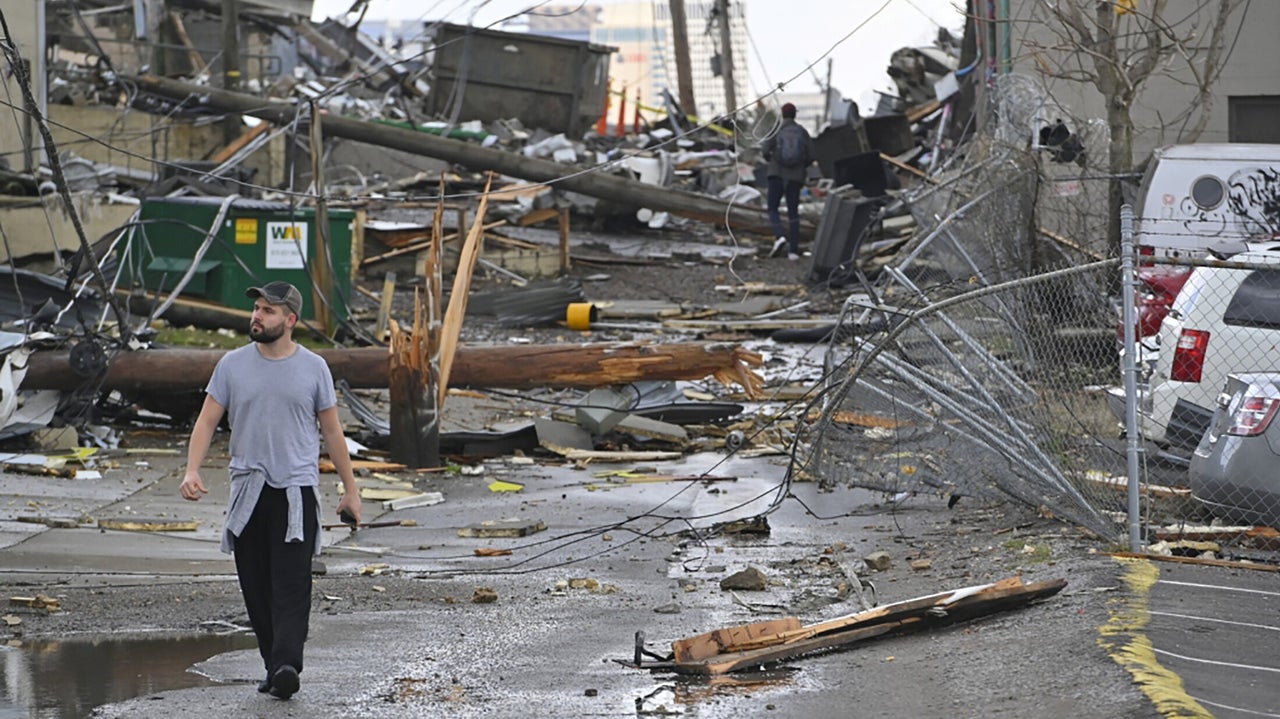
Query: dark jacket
{"points": [[790, 174]]}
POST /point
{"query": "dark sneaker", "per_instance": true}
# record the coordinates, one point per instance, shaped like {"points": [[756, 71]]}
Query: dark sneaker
{"points": [[778, 245], [264, 686], [284, 683]]}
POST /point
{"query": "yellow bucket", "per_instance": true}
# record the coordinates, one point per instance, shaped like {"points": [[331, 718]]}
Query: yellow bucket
{"points": [[580, 315]]}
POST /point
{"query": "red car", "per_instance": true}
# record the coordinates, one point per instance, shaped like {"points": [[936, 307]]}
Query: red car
{"points": [[1159, 285]]}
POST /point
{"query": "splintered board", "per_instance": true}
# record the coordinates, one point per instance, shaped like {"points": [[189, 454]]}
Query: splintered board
{"points": [[737, 648]]}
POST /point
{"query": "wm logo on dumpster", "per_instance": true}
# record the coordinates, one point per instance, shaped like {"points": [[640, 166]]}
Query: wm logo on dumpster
{"points": [[286, 245]]}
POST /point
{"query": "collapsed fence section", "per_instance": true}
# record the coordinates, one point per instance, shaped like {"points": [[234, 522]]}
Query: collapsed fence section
{"points": [[988, 392]]}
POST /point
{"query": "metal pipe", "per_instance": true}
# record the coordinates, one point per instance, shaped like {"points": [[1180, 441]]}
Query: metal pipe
{"points": [[1129, 364]]}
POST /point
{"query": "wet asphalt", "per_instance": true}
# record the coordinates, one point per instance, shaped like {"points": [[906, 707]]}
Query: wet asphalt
{"points": [[547, 649]]}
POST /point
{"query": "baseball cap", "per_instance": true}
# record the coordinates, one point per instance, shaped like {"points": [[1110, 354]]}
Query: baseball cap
{"points": [[788, 110], [278, 293]]}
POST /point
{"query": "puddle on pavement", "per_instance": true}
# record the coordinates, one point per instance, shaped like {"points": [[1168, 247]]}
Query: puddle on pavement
{"points": [[683, 695], [67, 678]]}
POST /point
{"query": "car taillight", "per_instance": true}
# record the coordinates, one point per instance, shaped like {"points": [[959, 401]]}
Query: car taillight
{"points": [[1188, 358], [1254, 415]]}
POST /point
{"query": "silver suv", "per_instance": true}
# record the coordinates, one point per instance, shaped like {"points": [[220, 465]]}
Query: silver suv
{"points": [[1233, 470]]}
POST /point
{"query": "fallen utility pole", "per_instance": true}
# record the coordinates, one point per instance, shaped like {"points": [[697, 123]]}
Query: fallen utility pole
{"points": [[508, 367], [602, 185]]}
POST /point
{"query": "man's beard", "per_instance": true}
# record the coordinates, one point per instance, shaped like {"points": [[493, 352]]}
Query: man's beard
{"points": [[264, 335]]}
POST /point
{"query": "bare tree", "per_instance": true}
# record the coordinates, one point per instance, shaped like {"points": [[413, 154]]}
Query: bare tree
{"points": [[1118, 47]]}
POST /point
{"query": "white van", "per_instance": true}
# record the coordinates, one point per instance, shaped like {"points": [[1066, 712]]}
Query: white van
{"points": [[1196, 196]]}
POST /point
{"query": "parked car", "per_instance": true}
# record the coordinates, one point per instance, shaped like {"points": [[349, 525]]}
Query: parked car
{"points": [[1223, 321], [1158, 287], [1233, 469]]}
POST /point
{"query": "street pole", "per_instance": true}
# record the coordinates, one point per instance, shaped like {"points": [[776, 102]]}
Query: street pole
{"points": [[231, 62], [726, 58], [826, 99], [684, 69]]}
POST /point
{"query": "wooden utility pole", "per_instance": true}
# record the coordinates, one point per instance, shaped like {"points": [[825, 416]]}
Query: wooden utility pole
{"points": [[726, 58], [684, 69], [231, 62], [322, 272], [498, 366], [415, 414]]}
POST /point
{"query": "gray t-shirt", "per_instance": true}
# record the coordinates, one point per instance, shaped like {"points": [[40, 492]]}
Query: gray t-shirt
{"points": [[272, 406]]}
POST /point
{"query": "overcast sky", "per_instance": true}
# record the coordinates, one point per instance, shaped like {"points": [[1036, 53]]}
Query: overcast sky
{"points": [[785, 41]]}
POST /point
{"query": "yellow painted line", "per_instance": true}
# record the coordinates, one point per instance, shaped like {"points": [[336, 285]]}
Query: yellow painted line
{"points": [[1123, 638]]}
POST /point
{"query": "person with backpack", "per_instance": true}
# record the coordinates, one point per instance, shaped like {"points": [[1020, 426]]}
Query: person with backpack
{"points": [[789, 152]]}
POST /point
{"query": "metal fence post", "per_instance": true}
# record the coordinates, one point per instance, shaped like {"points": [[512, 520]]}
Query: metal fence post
{"points": [[1129, 365]]}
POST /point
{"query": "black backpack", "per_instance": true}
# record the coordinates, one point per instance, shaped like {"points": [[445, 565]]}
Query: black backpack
{"points": [[793, 148]]}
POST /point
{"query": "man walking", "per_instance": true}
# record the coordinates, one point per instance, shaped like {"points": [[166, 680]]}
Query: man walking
{"points": [[274, 392], [789, 152]]}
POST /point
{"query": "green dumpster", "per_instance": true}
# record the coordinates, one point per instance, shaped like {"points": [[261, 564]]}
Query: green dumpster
{"points": [[258, 242]]}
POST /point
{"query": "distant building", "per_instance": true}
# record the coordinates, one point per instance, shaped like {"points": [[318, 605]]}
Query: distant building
{"points": [[646, 57]]}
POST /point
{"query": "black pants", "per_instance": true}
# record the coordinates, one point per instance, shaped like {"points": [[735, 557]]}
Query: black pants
{"points": [[275, 577], [789, 189]]}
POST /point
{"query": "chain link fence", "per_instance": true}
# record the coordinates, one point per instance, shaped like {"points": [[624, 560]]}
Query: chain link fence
{"points": [[982, 358], [974, 362], [1209, 395]]}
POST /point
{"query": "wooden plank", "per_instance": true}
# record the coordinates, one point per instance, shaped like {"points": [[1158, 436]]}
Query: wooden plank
{"points": [[714, 642], [958, 605], [384, 306], [509, 529], [1153, 490], [139, 524], [327, 466], [601, 455], [418, 246], [1196, 560], [425, 499], [563, 227], [541, 214], [451, 328], [1260, 537]]}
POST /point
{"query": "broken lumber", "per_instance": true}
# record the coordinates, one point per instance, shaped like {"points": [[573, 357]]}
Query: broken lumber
{"points": [[415, 414], [500, 366], [446, 340], [735, 648], [502, 529], [149, 525], [1256, 566], [615, 188]]}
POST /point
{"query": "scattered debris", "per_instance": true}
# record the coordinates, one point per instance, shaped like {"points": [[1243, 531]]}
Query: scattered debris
{"points": [[750, 579], [505, 528], [484, 595], [879, 561], [39, 601], [139, 524]]}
